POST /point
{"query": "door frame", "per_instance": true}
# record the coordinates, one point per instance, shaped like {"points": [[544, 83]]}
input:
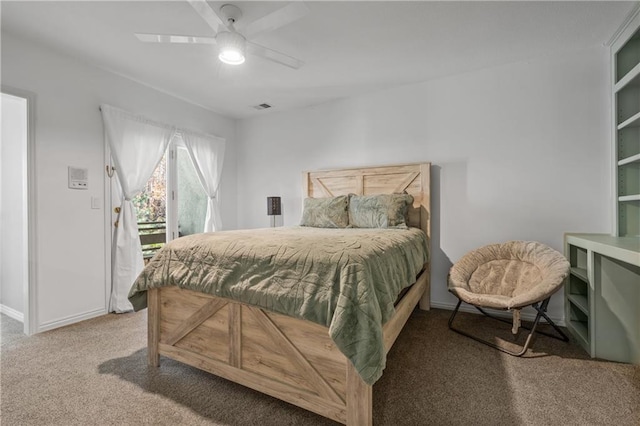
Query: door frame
{"points": [[30, 300], [109, 183], [173, 196]]}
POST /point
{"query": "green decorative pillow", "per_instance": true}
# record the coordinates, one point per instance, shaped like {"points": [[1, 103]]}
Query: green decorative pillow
{"points": [[326, 212], [379, 211]]}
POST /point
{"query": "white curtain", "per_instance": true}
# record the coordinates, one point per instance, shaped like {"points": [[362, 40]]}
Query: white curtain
{"points": [[137, 146], [207, 155]]}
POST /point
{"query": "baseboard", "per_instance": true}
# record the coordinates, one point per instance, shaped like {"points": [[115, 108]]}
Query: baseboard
{"points": [[527, 316], [11, 313], [50, 325]]}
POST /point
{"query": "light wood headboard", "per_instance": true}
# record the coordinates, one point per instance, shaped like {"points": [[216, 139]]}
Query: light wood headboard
{"points": [[415, 179]]}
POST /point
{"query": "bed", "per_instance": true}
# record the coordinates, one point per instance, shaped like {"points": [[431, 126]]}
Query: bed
{"points": [[267, 346]]}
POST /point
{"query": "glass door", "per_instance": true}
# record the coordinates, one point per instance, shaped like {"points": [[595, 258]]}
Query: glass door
{"points": [[191, 198], [151, 209], [173, 203], [186, 199]]}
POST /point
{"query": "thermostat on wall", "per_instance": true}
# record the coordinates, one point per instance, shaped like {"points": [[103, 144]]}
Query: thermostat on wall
{"points": [[78, 178]]}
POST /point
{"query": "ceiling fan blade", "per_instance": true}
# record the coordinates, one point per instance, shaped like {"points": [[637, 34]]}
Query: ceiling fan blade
{"points": [[172, 38], [208, 14], [274, 56], [281, 17]]}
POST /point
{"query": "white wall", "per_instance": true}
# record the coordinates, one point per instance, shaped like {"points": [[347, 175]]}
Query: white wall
{"points": [[13, 159], [70, 235], [519, 151]]}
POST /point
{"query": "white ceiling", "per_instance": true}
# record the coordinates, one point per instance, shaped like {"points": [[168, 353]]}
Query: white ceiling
{"points": [[349, 48]]}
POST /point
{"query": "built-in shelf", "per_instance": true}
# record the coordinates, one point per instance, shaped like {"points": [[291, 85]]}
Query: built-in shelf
{"points": [[580, 273], [581, 301], [631, 79], [602, 311], [634, 197], [633, 121], [629, 160], [625, 98], [581, 330]]}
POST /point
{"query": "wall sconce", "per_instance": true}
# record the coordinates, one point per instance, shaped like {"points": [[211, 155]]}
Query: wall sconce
{"points": [[274, 208]]}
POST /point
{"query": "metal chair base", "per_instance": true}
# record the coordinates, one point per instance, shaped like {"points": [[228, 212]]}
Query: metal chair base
{"points": [[541, 308]]}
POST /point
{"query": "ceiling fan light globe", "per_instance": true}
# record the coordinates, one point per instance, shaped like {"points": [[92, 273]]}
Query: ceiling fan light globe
{"points": [[231, 57], [232, 47]]}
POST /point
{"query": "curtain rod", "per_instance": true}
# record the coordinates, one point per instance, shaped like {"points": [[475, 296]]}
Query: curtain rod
{"points": [[180, 130]]}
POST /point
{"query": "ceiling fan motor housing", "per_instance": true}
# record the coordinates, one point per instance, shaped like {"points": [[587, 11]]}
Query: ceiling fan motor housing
{"points": [[231, 13]]}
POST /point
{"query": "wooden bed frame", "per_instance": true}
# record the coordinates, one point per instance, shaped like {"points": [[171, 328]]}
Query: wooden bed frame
{"points": [[288, 358]]}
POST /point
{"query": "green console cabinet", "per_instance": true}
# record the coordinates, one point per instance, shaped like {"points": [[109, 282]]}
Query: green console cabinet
{"points": [[602, 295]]}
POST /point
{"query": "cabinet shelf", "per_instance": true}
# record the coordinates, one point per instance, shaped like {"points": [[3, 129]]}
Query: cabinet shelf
{"points": [[629, 160], [581, 301], [581, 329], [633, 121], [634, 197], [580, 273], [632, 78]]}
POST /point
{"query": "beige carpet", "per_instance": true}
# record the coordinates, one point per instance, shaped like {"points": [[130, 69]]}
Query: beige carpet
{"points": [[95, 373]]}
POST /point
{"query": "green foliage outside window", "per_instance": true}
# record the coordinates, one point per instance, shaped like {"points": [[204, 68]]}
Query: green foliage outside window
{"points": [[151, 203]]}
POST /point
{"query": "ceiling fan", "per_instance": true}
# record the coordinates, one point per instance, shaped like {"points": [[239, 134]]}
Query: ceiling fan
{"points": [[232, 46]]}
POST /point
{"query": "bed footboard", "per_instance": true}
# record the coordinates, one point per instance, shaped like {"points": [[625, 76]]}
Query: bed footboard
{"points": [[290, 359]]}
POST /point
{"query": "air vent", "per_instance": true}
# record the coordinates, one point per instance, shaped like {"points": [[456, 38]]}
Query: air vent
{"points": [[262, 106]]}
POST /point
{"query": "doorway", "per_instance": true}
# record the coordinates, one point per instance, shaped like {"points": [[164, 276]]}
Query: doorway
{"points": [[16, 180]]}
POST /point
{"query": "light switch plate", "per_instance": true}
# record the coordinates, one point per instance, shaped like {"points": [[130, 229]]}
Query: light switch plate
{"points": [[96, 203]]}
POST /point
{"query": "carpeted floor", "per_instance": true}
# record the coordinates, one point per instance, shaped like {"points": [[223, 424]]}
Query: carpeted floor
{"points": [[95, 373]]}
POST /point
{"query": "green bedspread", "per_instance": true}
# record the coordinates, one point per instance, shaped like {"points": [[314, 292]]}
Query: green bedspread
{"points": [[345, 279]]}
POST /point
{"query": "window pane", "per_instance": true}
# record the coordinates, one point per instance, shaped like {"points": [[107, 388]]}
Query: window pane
{"points": [[151, 209], [192, 200]]}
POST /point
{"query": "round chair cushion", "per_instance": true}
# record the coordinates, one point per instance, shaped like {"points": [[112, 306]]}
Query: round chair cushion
{"points": [[509, 275]]}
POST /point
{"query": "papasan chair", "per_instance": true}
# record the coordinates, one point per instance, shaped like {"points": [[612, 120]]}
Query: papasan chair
{"points": [[509, 276]]}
